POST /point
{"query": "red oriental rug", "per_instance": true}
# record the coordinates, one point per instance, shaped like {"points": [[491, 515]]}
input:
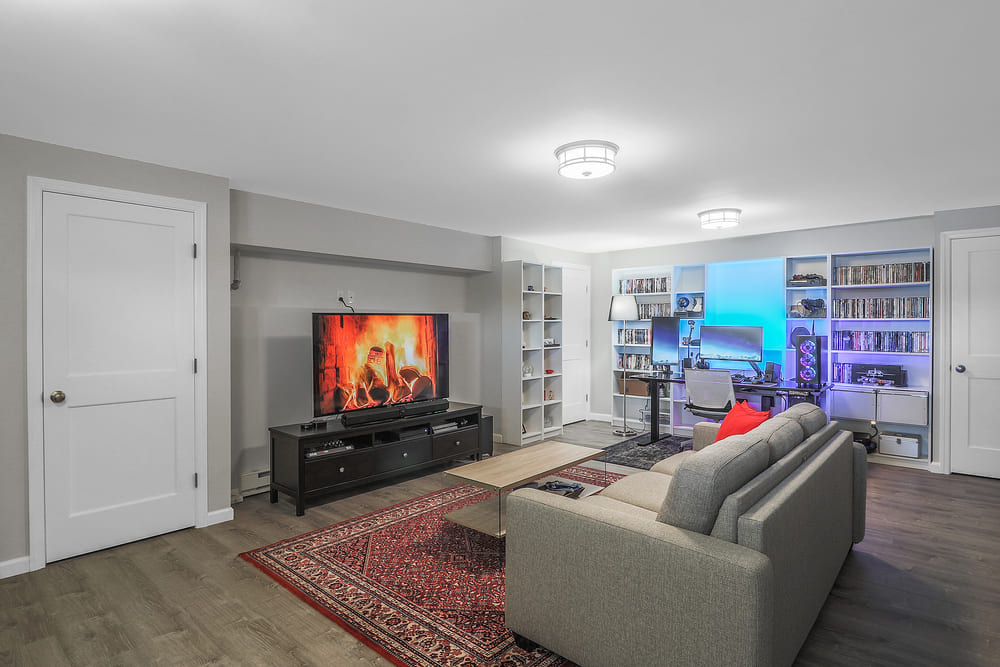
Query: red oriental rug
{"points": [[418, 589]]}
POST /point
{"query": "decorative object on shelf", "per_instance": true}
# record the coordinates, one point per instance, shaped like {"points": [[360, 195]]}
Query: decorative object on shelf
{"points": [[689, 305], [589, 159], [550, 395], [793, 337], [624, 307], [720, 218], [548, 342], [525, 315], [808, 308], [549, 371], [806, 279], [526, 370], [531, 288]]}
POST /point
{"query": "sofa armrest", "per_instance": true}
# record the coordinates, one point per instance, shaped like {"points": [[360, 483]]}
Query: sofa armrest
{"points": [[602, 587], [704, 434]]}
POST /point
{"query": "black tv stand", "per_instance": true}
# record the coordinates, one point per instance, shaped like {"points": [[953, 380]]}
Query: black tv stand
{"points": [[309, 462]]}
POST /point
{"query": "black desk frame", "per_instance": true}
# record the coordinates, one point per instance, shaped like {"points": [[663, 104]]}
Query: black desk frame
{"points": [[766, 392]]}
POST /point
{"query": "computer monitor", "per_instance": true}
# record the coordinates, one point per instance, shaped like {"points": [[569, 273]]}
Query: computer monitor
{"points": [[666, 339], [728, 343]]}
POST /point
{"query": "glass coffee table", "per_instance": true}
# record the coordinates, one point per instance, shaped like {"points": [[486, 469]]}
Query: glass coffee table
{"points": [[506, 472]]}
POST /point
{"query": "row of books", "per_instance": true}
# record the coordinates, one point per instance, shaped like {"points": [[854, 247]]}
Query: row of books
{"points": [[644, 285], [650, 310], [883, 307], [634, 362], [882, 274], [633, 336], [881, 341]]}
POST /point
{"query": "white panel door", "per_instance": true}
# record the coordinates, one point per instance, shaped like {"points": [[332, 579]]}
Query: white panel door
{"points": [[576, 343], [118, 341], [975, 355]]}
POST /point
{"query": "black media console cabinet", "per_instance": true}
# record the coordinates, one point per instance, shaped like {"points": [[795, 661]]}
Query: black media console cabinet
{"points": [[306, 463]]}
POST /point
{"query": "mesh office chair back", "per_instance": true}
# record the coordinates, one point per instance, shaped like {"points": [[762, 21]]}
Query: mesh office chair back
{"points": [[709, 393]]}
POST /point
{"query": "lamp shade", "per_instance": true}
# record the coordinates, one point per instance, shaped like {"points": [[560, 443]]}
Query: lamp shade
{"points": [[623, 307], [719, 218], [592, 158]]}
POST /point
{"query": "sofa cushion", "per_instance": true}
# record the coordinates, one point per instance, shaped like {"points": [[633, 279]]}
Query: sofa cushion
{"points": [[642, 489], [781, 435], [599, 500], [747, 495], [669, 465], [810, 417], [741, 419], [703, 481]]}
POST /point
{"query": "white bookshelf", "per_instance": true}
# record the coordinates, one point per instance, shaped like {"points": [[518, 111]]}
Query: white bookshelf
{"points": [[532, 391]]}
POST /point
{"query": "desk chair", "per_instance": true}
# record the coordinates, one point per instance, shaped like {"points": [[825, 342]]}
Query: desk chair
{"points": [[709, 393]]}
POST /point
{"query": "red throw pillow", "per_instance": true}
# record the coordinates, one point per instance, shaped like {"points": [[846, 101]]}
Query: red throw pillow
{"points": [[741, 419]]}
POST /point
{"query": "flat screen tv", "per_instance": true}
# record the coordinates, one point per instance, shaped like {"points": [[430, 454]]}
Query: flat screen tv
{"points": [[727, 343], [370, 360], [666, 340]]}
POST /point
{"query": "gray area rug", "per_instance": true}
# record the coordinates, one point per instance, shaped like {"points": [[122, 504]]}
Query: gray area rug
{"points": [[635, 454]]}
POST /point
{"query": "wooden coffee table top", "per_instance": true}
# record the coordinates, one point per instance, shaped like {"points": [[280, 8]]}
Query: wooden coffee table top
{"points": [[507, 471]]}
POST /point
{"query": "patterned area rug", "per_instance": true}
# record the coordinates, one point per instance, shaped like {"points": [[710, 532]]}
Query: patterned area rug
{"points": [[415, 587], [635, 453]]}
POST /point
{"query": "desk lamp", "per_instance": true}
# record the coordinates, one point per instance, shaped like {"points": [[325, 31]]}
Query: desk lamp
{"points": [[624, 307]]}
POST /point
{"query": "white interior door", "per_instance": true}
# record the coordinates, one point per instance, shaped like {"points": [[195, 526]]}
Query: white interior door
{"points": [[576, 343], [118, 323], [974, 355]]}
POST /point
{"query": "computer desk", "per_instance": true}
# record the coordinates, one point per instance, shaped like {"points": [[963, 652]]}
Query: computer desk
{"points": [[766, 392]]}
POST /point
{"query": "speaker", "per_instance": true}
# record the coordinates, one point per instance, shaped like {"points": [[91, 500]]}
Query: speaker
{"points": [[486, 435], [772, 372], [809, 360]]}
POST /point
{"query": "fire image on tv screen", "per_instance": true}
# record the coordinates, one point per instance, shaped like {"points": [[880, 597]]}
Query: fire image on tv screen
{"points": [[363, 360]]}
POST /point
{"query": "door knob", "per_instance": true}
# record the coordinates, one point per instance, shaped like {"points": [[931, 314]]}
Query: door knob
{"points": [[57, 396], [960, 368]]}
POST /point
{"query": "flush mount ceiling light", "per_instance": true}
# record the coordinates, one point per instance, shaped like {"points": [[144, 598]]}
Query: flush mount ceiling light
{"points": [[719, 218], [592, 158]]}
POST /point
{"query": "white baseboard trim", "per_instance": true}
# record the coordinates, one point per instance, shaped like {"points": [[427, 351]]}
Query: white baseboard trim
{"points": [[218, 516], [14, 566], [599, 417]]}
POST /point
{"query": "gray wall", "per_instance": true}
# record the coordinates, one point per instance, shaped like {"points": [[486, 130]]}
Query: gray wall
{"points": [[884, 235], [281, 288], [20, 158], [283, 224]]}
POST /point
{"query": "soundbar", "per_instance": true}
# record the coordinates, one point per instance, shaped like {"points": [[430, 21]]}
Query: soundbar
{"points": [[369, 415]]}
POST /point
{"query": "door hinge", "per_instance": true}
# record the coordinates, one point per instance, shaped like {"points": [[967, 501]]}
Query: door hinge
{"points": [[196, 251], [196, 364], [196, 480]]}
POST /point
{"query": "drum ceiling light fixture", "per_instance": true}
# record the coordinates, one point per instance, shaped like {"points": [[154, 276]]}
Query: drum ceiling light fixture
{"points": [[587, 159], [719, 218]]}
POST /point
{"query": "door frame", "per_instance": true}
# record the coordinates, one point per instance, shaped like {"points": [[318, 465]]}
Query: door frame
{"points": [[941, 381], [37, 187]]}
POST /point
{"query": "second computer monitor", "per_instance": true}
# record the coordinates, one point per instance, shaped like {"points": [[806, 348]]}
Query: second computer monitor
{"points": [[728, 343], [666, 339]]}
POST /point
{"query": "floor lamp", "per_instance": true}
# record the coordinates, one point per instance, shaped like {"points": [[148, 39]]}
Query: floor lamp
{"points": [[624, 308]]}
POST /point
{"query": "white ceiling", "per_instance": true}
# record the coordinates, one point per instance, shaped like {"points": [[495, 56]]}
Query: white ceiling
{"points": [[801, 112]]}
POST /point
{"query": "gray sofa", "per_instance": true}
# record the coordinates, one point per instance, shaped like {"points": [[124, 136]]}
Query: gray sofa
{"points": [[720, 556]]}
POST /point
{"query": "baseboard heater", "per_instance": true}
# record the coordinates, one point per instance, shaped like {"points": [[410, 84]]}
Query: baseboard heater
{"points": [[254, 482]]}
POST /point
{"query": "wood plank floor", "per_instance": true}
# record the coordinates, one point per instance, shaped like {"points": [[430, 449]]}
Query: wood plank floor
{"points": [[922, 589]]}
